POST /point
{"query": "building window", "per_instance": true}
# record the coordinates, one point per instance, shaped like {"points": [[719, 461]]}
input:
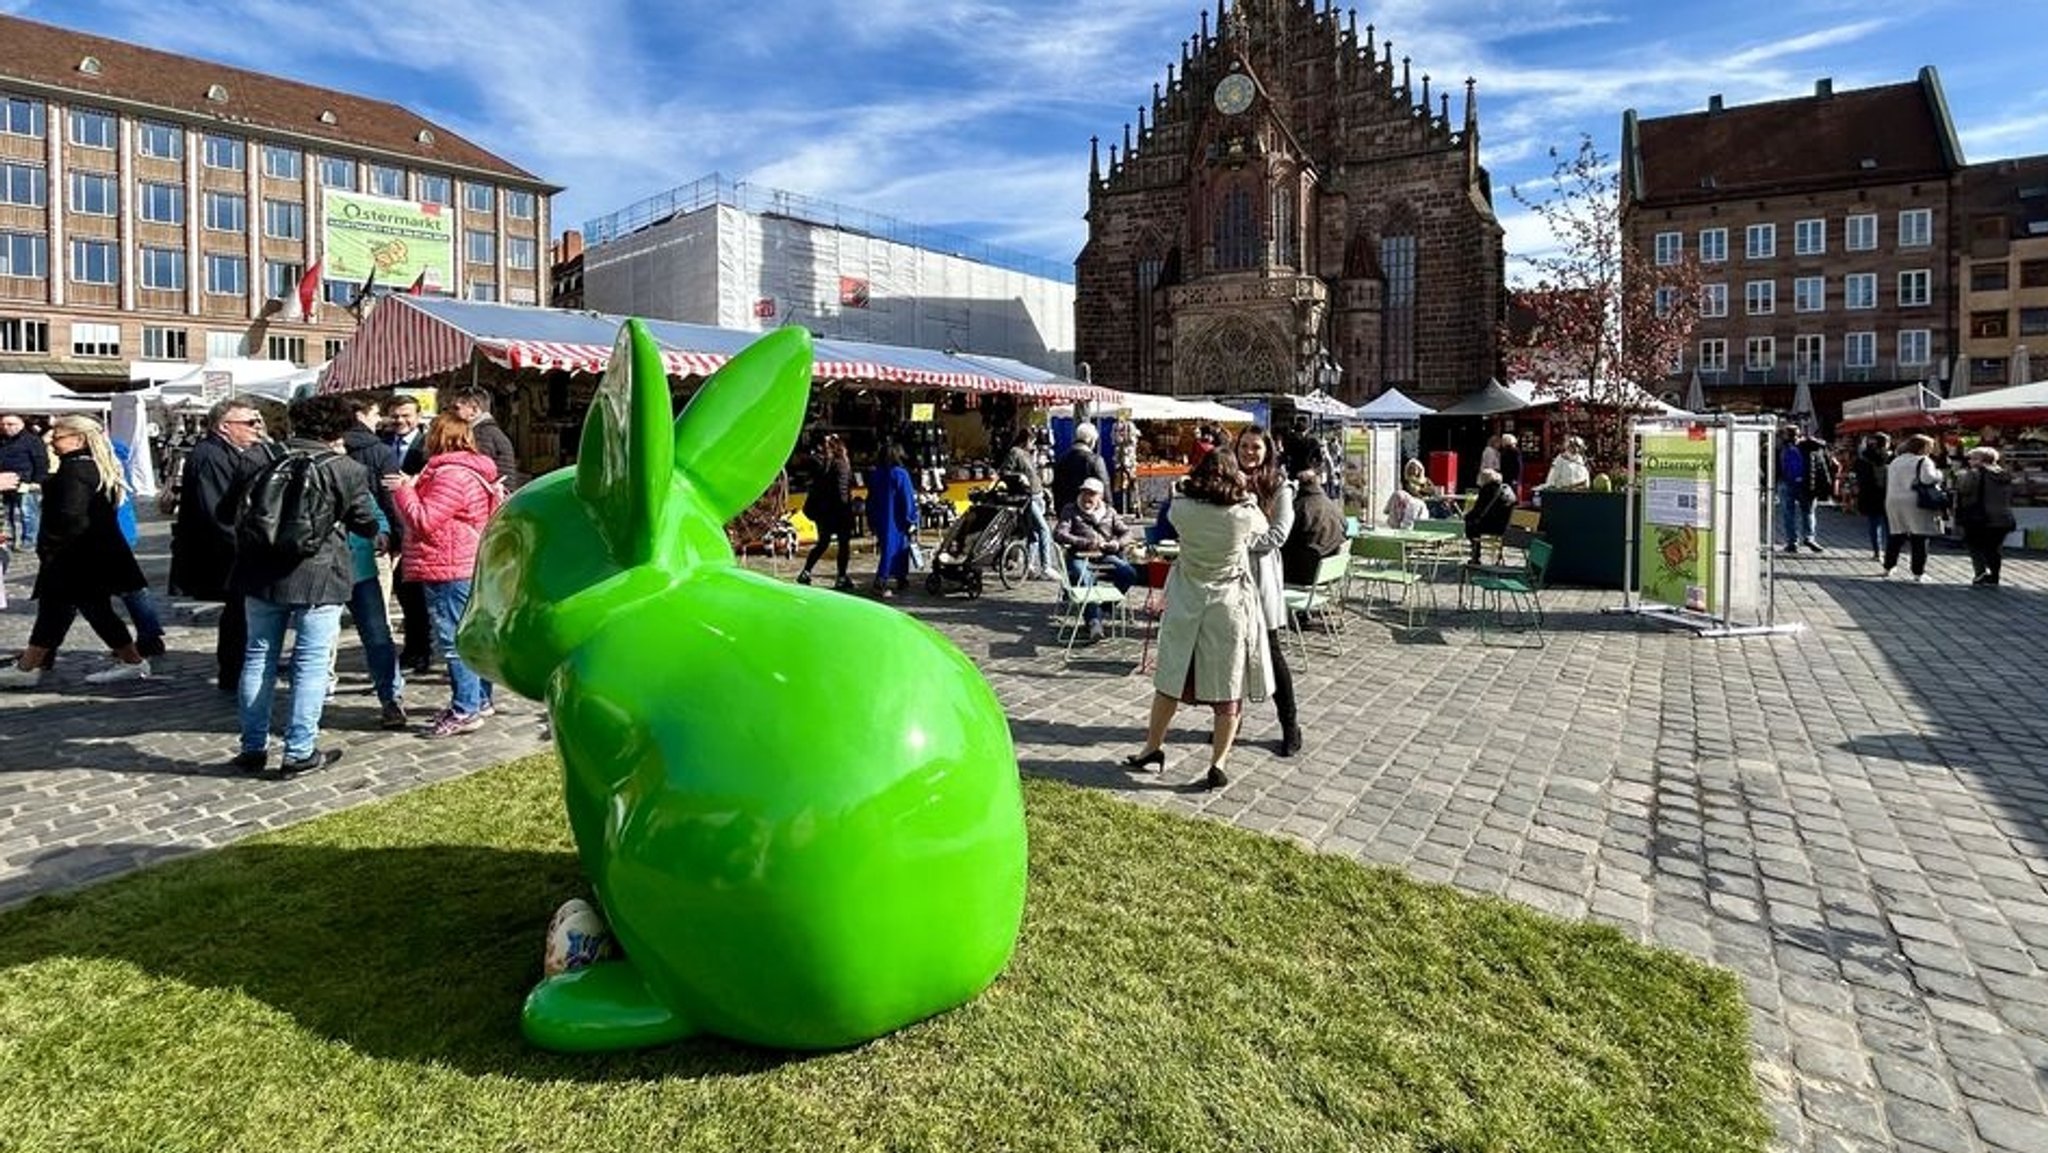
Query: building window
{"points": [[1914, 344], [223, 345], [483, 290], [223, 152], [280, 279], [1147, 272], [25, 184], [18, 335], [1397, 263], [92, 193], [89, 339], [1809, 356], [1988, 325], [1859, 290], [1761, 241], [1714, 355], [478, 197], [1859, 350], [162, 268], [163, 141], [1287, 249], [1859, 233], [281, 162], [2034, 322], [227, 212], [431, 189], [292, 348], [227, 275], [518, 204], [1676, 363], [522, 294], [481, 247], [284, 219], [1713, 245], [1916, 227], [95, 262], [519, 252], [1761, 354], [2034, 274], [341, 292], [1809, 237], [92, 129], [1914, 288], [1234, 233], [21, 117], [161, 203], [386, 181], [1666, 299], [1713, 300], [1760, 297], [337, 172], [162, 343], [334, 346], [24, 255], [1669, 247], [1810, 294], [1990, 277]]}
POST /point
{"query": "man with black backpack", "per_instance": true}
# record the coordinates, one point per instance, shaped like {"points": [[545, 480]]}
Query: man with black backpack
{"points": [[292, 567]]}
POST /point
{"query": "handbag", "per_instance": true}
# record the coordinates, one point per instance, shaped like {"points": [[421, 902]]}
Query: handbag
{"points": [[1932, 496], [916, 556]]}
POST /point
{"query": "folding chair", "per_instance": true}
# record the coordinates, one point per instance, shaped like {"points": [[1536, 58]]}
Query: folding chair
{"points": [[1447, 546], [1386, 568], [1303, 601], [1498, 589], [1070, 610]]}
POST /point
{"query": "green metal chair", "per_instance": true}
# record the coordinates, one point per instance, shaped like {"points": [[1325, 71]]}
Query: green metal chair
{"points": [[1314, 601], [1386, 569], [1498, 590], [1070, 607]]}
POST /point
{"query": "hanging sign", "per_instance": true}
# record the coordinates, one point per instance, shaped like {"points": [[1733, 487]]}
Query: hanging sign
{"points": [[923, 413]]}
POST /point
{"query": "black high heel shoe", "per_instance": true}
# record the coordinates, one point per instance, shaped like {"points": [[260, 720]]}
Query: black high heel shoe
{"points": [[1216, 779], [1153, 761]]}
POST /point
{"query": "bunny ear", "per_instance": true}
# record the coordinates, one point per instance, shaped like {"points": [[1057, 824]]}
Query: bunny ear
{"points": [[738, 431], [624, 468]]}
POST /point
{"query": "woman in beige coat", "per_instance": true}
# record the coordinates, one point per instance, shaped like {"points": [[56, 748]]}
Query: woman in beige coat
{"points": [[1212, 635], [1258, 458], [1911, 525]]}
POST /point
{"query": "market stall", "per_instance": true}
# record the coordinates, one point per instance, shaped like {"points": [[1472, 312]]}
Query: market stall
{"points": [[2013, 420]]}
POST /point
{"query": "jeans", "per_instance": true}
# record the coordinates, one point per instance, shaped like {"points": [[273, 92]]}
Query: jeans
{"points": [[446, 601], [1040, 548], [366, 606], [142, 610], [24, 517], [1880, 533], [316, 629], [1116, 568], [1795, 509]]}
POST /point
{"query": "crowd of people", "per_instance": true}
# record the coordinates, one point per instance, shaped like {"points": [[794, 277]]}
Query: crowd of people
{"points": [[1904, 496], [355, 505]]}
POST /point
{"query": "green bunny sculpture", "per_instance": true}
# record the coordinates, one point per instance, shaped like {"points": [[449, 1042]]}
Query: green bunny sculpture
{"points": [[800, 810]]}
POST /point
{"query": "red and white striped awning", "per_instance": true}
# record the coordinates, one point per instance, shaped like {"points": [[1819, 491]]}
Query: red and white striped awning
{"points": [[587, 358], [405, 345]]}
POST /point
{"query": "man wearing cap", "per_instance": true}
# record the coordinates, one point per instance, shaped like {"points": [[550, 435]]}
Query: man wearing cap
{"points": [[1092, 532]]}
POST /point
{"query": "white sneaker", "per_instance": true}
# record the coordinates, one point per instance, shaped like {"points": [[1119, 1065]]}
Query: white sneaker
{"points": [[13, 676], [119, 671], [1885, 573], [1920, 578]]}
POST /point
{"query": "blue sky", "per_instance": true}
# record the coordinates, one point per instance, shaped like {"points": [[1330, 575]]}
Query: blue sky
{"points": [[974, 115]]}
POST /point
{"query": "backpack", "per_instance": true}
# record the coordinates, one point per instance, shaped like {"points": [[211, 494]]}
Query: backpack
{"points": [[286, 512]]}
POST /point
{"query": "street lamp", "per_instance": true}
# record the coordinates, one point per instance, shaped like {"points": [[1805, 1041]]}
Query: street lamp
{"points": [[1321, 374]]}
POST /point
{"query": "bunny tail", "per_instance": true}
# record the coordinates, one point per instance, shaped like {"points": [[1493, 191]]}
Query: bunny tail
{"points": [[601, 1008]]}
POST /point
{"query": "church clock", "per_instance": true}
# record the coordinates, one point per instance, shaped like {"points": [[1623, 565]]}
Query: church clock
{"points": [[1234, 93]]}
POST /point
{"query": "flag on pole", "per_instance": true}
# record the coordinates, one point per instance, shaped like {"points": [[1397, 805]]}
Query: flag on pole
{"points": [[369, 282], [298, 305], [419, 285]]}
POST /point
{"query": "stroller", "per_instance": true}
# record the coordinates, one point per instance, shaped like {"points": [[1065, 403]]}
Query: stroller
{"points": [[993, 533]]}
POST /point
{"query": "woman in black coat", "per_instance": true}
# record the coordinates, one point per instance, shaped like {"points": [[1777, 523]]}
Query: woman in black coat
{"points": [[1869, 471], [1491, 510], [84, 560], [829, 506]]}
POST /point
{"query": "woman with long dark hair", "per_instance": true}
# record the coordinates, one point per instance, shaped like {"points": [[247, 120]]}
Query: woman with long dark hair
{"points": [[829, 506], [1258, 458], [84, 561], [892, 515], [1212, 635]]}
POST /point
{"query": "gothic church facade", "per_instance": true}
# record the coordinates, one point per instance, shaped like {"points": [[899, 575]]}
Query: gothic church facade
{"points": [[1295, 212]]}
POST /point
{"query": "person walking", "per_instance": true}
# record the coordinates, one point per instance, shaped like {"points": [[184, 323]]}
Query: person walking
{"points": [[408, 440], [445, 509], [27, 458], [203, 535], [1020, 469], [1818, 484], [1908, 475], [1869, 472], [1212, 634], [311, 493], [892, 517], [141, 606], [1791, 486], [829, 506], [83, 562], [1258, 458], [1984, 510]]}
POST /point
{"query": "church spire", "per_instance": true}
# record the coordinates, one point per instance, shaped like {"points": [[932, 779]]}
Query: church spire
{"points": [[1471, 106], [1094, 160], [1425, 94]]}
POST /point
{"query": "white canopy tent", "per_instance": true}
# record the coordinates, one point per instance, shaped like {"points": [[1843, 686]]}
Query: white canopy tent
{"points": [[35, 394], [1148, 406], [1393, 405], [1581, 391]]}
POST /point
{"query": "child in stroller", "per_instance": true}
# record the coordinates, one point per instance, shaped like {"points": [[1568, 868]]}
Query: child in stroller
{"points": [[994, 533]]}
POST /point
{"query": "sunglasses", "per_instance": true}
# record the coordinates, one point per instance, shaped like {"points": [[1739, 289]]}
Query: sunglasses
{"points": [[256, 421]]}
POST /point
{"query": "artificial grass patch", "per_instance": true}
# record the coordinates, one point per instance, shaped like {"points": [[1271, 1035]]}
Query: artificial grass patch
{"points": [[354, 983]]}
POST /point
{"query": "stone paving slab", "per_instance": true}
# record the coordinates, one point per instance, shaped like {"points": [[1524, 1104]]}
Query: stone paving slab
{"points": [[1854, 819]]}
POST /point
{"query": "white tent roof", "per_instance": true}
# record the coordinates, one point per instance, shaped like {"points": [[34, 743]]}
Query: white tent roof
{"points": [[2016, 396], [35, 394], [1393, 404], [1580, 390], [1149, 406]]}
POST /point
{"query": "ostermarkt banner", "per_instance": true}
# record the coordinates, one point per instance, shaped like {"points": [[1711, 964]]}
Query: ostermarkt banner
{"points": [[1677, 558], [400, 239]]}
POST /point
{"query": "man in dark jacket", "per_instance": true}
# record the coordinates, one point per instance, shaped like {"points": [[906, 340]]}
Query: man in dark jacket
{"points": [[203, 535], [407, 436], [1870, 467], [1075, 465], [408, 440], [1318, 530], [1817, 483], [22, 453], [474, 406], [280, 588]]}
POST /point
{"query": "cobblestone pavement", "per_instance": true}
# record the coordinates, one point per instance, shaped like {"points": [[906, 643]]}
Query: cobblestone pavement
{"points": [[1851, 818]]}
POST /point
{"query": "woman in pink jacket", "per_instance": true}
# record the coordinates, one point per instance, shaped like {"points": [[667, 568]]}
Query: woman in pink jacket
{"points": [[444, 509]]}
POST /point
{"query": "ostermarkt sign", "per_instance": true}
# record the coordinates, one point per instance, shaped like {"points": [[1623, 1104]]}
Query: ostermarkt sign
{"points": [[399, 239]]}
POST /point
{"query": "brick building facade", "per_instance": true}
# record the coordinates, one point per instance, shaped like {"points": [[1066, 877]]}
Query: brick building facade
{"points": [[2001, 244], [1295, 204], [1822, 226]]}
